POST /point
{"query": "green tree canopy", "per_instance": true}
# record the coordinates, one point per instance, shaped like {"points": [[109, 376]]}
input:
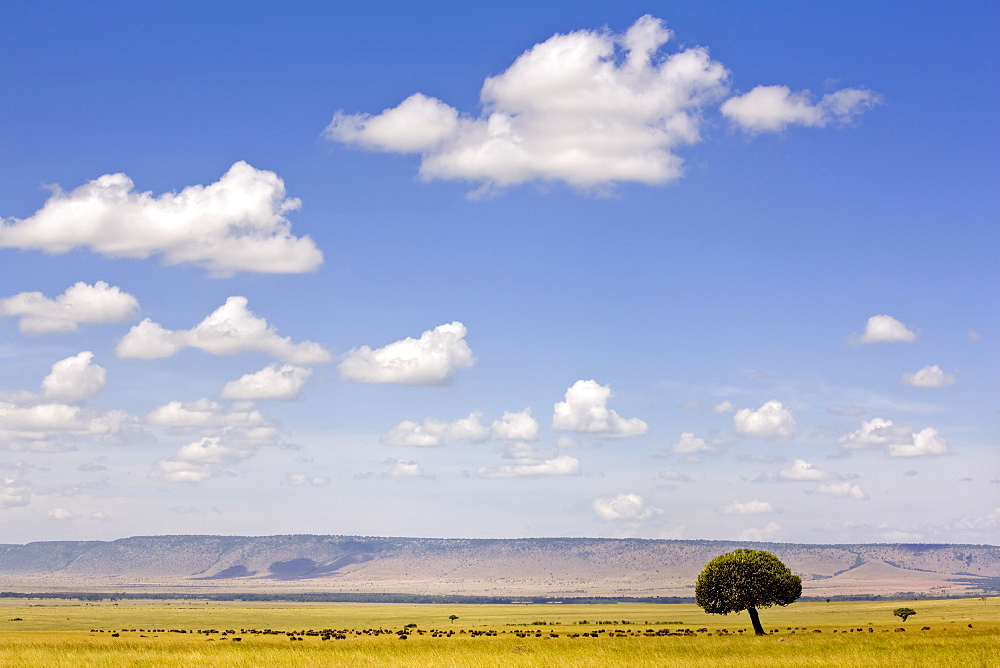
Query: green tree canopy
{"points": [[904, 612], [746, 580]]}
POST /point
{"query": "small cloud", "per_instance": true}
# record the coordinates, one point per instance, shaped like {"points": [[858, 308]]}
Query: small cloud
{"points": [[799, 471], [81, 303], [772, 421], [229, 330], [99, 516], [842, 490], [926, 442], [61, 514], [229, 437], [898, 536], [430, 360], [624, 507], [884, 329], [585, 411], [747, 508], [528, 467], [515, 427], [305, 480], [277, 381], [74, 380], [50, 422], [204, 413], [14, 493], [898, 441], [773, 108], [691, 404], [434, 433], [929, 376], [763, 534], [402, 468], [673, 476], [689, 444], [724, 407]]}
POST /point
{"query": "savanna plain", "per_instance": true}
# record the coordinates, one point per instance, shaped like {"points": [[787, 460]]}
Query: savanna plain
{"points": [[36, 632]]}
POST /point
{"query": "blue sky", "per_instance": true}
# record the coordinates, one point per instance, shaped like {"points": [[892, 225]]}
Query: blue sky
{"points": [[680, 270]]}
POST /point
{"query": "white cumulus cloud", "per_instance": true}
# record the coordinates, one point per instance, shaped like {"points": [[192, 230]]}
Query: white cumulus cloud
{"points": [[74, 379], [624, 507], [80, 303], [204, 414], [61, 514], [518, 426], [276, 381], [885, 329], [53, 421], [56, 427], [402, 468], [229, 330], [801, 470], [753, 507], [724, 407], [212, 456], [585, 411], [773, 108], [926, 442], [842, 490], [689, 444], [226, 437], [433, 433], [556, 466], [235, 224], [897, 440], [430, 360], [761, 534], [588, 108], [927, 377], [772, 421]]}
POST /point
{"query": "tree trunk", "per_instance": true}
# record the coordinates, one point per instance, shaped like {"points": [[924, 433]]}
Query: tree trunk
{"points": [[755, 620]]}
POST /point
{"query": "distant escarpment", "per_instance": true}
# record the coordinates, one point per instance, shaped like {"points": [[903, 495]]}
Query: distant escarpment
{"points": [[557, 567]]}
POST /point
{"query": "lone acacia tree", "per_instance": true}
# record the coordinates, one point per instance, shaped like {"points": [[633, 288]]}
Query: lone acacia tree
{"points": [[746, 580], [904, 612]]}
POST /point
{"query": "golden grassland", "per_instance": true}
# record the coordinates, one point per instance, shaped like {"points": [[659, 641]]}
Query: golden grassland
{"points": [[74, 633]]}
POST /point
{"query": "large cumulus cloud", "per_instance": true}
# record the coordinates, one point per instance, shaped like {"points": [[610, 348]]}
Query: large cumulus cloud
{"points": [[235, 224], [588, 108]]}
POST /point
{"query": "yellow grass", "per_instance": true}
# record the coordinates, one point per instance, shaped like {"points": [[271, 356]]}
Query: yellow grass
{"points": [[69, 633]]}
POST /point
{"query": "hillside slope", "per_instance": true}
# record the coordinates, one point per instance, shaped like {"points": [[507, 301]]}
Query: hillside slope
{"points": [[530, 566]]}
